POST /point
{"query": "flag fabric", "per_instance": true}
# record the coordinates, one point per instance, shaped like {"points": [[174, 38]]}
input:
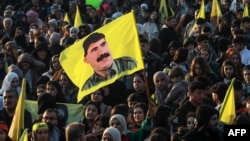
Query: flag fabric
{"points": [[17, 125], [71, 112], [227, 111], [164, 11], [202, 11], [78, 18], [215, 13], [245, 13], [122, 38], [24, 136], [66, 18], [94, 3]]}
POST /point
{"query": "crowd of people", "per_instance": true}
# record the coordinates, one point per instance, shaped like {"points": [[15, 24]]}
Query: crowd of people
{"points": [[189, 63]]}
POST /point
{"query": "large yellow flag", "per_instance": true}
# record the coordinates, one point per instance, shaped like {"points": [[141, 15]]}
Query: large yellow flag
{"points": [[66, 18], [122, 56], [17, 125], [202, 11], [215, 13], [78, 18], [24, 136], [245, 13], [164, 11], [227, 111]]}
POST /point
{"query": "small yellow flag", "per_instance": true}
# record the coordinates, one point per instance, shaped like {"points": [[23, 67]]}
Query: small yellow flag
{"points": [[17, 125], [24, 136], [215, 13], [202, 10], [66, 18], [227, 111], [78, 18]]}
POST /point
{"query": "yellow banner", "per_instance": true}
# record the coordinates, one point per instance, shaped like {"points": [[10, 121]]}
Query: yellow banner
{"points": [[104, 56]]}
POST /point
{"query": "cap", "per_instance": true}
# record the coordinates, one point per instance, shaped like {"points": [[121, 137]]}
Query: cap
{"points": [[144, 6], [39, 126]]}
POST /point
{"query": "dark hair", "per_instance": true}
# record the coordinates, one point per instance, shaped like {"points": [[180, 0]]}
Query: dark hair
{"points": [[176, 72], [91, 39], [104, 120], [134, 97], [220, 88], [59, 97], [239, 40], [143, 106], [201, 38], [181, 54], [122, 109], [156, 137], [194, 85]]}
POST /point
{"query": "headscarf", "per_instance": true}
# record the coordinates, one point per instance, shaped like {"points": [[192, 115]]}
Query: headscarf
{"points": [[123, 122], [161, 93], [114, 132], [7, 81]]}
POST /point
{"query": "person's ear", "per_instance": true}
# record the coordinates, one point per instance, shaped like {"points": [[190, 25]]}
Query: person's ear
{"points": [[85, 60]]}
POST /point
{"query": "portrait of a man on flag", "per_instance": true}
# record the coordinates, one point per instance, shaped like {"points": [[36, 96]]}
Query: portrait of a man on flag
{"points": [[105, 55]]}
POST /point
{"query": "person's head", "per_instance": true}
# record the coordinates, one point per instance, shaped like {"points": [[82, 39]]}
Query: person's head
{"points": [[202, 40], [54, 63], [161, 80], [4, 129], [65, 81], [205, 53], [234, 55], [190, 120], [101, 121], [180, 55], [228, 69], [40, 132], [246, 74], [111, 134], [139, 83], [7, 23], [172, 47], [163, 116], [10, 98], [54, 88], [133, 99], [238, 43], [176, 74], [97, 96], [207, 117], [75, 132], [50, 116], [122, 109], [92, 109], [189, 43], [40, 90], [219, 90], [118, 121], [144, 43], [97, 52], [156, 137], [139, 112], [196, 92], [11, 81], [73, 32], [199, 66], [54, 38], [170, 21]]}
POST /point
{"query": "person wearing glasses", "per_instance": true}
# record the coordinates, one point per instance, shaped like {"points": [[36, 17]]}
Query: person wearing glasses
{"points": [[57, 132]]}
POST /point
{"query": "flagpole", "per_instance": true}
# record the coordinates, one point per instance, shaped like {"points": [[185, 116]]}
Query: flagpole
{"points": [[147, 89]]}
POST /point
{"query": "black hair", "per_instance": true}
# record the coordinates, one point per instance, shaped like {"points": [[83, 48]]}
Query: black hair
{"points": [[91, 39], [194, 85]]}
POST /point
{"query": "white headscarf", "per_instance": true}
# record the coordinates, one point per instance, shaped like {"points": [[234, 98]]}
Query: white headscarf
{"points": [[114, 132], [7, 81], [123, 122]]}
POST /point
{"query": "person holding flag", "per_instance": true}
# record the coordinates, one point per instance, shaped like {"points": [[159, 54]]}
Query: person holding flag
{"points": [[98, 55]]}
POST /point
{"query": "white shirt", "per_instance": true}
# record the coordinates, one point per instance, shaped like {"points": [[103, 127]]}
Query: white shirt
{"points": [[245, 56]]}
